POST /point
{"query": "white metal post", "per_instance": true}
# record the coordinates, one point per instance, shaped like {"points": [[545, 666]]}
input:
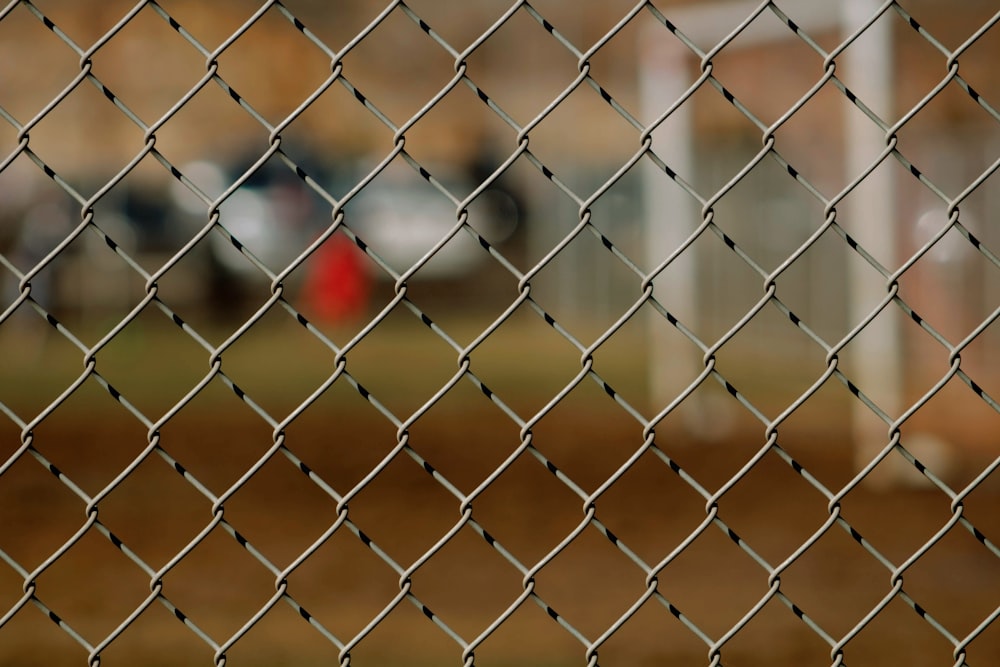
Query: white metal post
{"points": [[872, 212], [669, 215]]}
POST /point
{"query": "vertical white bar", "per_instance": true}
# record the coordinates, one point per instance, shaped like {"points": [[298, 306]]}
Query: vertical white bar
{"points": [[670, 214], [872, 209]]}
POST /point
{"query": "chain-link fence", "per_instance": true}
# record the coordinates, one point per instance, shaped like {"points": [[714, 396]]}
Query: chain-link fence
{"points": [[499, 333]]}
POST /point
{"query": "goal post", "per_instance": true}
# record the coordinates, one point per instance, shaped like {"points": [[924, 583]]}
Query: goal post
{"points": [[671, 214]]}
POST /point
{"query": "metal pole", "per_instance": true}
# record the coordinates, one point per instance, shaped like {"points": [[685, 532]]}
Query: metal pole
{"points": [[669, 216], [871, 210]]}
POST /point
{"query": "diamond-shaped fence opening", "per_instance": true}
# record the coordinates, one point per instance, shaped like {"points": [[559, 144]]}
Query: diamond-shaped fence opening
{"points": [[536, 333]]}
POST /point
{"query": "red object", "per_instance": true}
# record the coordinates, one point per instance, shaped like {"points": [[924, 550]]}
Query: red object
{"points": [[337, 288]]}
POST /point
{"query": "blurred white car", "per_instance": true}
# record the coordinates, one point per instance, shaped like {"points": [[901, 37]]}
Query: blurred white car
{"points": [[399, 216], [402, 221]]}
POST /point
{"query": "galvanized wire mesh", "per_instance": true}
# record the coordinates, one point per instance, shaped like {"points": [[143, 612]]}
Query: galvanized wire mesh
{"points": [[644, 299]]}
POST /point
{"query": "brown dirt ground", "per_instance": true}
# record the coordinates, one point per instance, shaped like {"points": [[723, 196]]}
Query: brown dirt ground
{"points": [[467, 584]]}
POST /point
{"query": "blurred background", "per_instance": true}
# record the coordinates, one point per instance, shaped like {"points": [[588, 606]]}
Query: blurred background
{"points": [[337, 140], [218, 137]]}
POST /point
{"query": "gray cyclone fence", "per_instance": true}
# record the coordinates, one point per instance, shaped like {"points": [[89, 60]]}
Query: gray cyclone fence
{"points": [[779, 211]]}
